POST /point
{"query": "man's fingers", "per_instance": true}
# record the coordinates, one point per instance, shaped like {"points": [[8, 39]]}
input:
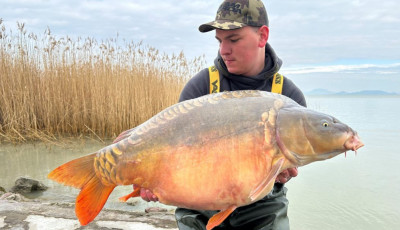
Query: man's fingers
{"points": [[286, 175], [147, 195], [151, 196], [143, 194], [293, 172]]}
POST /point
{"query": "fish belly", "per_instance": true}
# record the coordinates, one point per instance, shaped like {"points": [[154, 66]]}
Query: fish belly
{"points": [[207, 177]]}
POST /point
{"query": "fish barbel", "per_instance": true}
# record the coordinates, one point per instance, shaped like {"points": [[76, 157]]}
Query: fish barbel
{"points": [[217, 152]]}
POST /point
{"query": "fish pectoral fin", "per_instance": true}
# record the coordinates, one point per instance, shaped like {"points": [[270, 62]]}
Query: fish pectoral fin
{"points": [[275, 169], [135, 193], [218, 218]]}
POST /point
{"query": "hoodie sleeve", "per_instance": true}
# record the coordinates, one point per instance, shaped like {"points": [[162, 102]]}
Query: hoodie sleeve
{"points": [[196, 87], [292, 91]]}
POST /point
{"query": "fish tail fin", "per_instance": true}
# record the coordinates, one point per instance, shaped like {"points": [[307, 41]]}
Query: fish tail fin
{"points": [[75, 173], [80, 173], [91, 200]]}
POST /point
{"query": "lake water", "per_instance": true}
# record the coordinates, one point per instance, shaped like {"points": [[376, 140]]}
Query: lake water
{"points": [[36, 160], [360, 191], [357, 192]]}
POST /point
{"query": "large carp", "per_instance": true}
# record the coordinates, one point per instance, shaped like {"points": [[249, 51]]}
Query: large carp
{"points": [[216, 152]]}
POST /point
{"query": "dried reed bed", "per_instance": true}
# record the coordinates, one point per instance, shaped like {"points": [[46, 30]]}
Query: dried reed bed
{"points": [[52, 87]]}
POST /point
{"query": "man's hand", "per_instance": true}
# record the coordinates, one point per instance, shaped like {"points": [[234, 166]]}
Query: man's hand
{"points": [[147, 195], [286, 175]]}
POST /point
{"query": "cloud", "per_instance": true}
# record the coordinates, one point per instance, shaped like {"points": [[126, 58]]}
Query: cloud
{"points": [[378, 68], [302, 32]]}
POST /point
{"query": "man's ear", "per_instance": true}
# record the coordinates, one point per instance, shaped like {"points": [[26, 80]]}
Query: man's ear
{"points": [[263, 35]]}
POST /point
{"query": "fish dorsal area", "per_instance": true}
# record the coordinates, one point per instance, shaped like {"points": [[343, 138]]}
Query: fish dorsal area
{"points": [[175, 111], [184, 107]]}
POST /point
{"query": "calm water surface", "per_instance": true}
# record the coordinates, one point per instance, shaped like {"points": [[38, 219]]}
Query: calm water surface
{"points": [[357, 192], [36, 160], [360, 191]]}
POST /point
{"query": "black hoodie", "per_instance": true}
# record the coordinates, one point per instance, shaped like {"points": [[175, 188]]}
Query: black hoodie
{"points": [[199, 85]]}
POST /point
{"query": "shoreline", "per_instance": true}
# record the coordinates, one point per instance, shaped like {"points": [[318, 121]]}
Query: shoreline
{"points": [[36, 214]]}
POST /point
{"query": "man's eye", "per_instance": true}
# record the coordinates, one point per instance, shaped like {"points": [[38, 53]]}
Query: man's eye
{"points": [[234, 40]]}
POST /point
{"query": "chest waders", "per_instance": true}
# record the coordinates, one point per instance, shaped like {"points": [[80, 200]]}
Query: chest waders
{"points": [[277, 82]]}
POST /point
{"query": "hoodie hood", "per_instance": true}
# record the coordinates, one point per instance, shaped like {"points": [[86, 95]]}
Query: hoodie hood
{"points": [[272, 65]]}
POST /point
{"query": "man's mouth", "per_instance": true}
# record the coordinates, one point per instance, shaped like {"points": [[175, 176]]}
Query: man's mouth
{"points": [[228, 61]]}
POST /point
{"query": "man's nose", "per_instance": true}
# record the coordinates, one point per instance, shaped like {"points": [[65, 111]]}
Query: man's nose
{"points": [[224, 48]]}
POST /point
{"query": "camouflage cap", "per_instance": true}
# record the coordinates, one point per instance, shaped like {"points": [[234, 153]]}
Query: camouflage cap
{"points": [[234, 14]]}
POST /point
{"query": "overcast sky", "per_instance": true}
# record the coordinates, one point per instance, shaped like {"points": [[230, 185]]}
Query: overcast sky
{"points": [[348, 45]]}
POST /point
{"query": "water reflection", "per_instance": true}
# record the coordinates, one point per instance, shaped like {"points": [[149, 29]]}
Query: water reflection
{"points": [[35, 160]]}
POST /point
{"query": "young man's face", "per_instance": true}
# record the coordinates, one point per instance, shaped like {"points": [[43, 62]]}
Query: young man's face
{"points": [[242, 49]]}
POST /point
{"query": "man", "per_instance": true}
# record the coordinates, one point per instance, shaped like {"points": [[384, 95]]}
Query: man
{"points": [[245, 61]]}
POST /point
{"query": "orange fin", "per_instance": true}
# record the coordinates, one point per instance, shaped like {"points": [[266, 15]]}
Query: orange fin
{"points": [[275, 169], [135, 193], [218, 218], [80, 173], [75, 173], [91, 200]]}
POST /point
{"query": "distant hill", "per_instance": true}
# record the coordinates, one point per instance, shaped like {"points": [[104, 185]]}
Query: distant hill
{"points": [[322, 92], [319, 92]]}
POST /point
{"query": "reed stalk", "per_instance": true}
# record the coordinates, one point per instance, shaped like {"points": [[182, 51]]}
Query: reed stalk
{"points": [[52, 87]]}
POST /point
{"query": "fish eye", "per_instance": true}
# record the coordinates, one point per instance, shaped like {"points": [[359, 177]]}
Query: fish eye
{"points": [[325, 124]]}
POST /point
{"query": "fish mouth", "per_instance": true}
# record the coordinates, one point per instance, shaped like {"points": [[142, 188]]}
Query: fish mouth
{"points": [[353, 142]]}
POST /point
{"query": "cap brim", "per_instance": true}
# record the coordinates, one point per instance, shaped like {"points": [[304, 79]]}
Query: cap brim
{"points": [[220, 24]]}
